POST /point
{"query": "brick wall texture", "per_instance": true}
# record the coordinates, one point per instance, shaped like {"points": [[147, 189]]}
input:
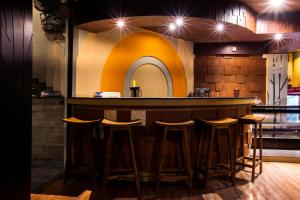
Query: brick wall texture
{"points": [[223, 74]]}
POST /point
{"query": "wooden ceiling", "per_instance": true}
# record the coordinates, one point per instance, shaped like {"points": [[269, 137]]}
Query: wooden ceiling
{"points": [[263, 6], [195, 29]]}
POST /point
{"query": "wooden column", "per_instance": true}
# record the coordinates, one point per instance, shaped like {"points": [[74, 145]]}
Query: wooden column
{"points": [[15, 95]]}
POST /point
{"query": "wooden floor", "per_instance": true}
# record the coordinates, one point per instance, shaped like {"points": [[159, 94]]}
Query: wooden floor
{"points": [[278, 181]]}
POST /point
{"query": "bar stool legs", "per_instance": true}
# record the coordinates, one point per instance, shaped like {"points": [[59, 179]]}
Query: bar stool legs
{"points": [[120, 126], [209, 155], [183, 128], [187, 158], [261, 146], [108, 156], [90, 125], [255, 160], [254, 152], [68, 157], [231, 153], [257, 122], [137, 179], [216, 126], [161, 157]]}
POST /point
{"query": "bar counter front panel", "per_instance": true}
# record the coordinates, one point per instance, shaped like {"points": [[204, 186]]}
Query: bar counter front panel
{"points": [[147, 136]]}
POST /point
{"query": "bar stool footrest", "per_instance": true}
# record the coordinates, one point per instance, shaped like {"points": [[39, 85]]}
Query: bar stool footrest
{"points": [[125, 177], [219, 172], [172, 178], [258, 162]]}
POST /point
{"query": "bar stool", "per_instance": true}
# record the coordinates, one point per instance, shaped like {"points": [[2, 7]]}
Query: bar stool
{"points": [[257, 122], [183, 128], [120, 126], [217, 125], [91, 125]]}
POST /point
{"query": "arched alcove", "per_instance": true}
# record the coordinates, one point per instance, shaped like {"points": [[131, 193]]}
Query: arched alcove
{"points": [[151, 73]]}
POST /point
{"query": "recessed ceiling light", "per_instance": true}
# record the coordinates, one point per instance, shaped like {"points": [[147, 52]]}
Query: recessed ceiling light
{"points": [[278, 36], [179, 21], [276, 3], [220, 27], [120, 23], [172, 27]]}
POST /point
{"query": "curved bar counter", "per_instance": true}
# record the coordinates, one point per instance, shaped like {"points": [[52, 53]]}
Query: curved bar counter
{"points": [[148, 134], [162, 103]]}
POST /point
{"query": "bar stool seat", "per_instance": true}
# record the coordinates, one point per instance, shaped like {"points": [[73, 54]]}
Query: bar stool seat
{"points": [[257, 122], [80, 121], [90, 124], [176, 124], [120, 126], [221, 122], [106, 122], [183, 128], [83, 196], [216, 125], [251, 119]]}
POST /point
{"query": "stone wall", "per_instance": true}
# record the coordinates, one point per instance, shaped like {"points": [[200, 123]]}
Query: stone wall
{"points": [[47, 129]]}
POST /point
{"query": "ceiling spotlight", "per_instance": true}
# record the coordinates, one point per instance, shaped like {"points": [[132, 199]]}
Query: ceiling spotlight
{"points": [[172, 27], [179, 21], [278, 36], [220, 27], [120, 23], [276, 3]]}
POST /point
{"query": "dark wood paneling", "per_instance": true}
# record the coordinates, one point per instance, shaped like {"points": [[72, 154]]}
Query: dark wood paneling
{"points": [[124, 115], [288, 44], [243, 48], [15, 95], [278, 22], [223, 74], [221, 10]]}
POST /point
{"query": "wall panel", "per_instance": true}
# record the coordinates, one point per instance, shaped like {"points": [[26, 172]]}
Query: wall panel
{"points": [[223, 74], [15, 95]]}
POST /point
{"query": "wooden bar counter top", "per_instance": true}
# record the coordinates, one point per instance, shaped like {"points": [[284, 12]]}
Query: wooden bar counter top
{"points": [[148, 135], [161, 103]]}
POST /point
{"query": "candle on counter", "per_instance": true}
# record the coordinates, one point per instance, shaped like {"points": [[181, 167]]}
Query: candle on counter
{"points": [[134, 83]]}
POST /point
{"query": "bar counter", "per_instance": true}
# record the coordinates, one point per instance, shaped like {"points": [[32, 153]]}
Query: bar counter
{"points": [[148, 135]]}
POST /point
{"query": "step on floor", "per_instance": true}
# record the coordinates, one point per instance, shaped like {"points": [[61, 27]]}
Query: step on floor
{"points": [[44, 173]]}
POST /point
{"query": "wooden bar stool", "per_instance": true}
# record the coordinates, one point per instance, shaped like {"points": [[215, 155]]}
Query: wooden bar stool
{"points": [[70, 145], [217, 125], [257, 122], [120, 126], [83, 196], [182, 127]]}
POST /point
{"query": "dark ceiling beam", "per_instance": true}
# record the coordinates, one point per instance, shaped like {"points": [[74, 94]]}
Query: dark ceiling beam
{"points": [[91, 10]]}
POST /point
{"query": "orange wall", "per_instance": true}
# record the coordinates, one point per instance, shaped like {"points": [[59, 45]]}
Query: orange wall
{"points": [[296, 70], [135, 46]]}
